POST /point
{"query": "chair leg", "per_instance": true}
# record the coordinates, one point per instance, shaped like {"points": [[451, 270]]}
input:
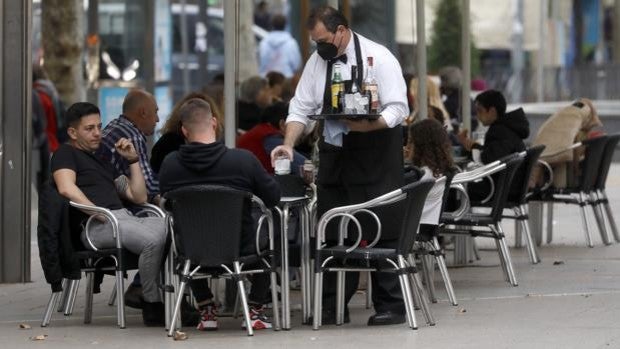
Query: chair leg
{"points": [[340, 282], [72, 293], [274, 301], [368, 290], [62, 301], [474, 248], [318, 297], [88, 306], [612, 221], [120, 293], [427, 271], [584, 218], [177, 304], [502, 259], [244, 299], [506, 255], [49, 309], [408, 295], [549, 222], [416, 284], [112, 296], [529, 241], [443, 269], [518, 229], [600, 219]]}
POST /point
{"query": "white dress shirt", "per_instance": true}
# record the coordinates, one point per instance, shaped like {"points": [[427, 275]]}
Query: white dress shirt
{"points": [[308, 99]]}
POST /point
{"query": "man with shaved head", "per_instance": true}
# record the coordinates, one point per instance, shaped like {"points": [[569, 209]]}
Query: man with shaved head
{"points": [[137, 121]]}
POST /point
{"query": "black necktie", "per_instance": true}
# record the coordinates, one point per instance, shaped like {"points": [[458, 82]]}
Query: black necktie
{"points": [[342, 58]]}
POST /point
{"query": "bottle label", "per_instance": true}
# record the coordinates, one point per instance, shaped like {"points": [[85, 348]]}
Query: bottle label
{"points": [[373, 93], [337, 88]]}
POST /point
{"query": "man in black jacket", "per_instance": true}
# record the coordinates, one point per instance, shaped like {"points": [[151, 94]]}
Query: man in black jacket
{"points": [[505, 134], [204, 160]]}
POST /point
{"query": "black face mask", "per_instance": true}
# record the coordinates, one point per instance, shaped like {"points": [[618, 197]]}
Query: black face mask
{"points": [[326, 50]]}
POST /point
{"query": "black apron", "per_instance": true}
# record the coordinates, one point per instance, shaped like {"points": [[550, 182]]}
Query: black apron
{"points": [[367, 165]]}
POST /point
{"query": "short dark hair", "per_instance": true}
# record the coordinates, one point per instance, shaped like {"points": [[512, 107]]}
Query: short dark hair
{"points": [[274, 113], [278, 22], [492, 98], [79, 110], [194, 111], [330, 17], [275, 78]]}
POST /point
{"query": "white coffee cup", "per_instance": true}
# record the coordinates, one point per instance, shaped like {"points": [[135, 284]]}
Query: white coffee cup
{"points": [[283, 165], [475, 154]]}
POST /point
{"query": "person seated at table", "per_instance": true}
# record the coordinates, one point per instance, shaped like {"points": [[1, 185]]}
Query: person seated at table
{"points": [[205, 160], [568, 125], [264, 137], [505, 136], [84, 178], [171, 135], [430, 151]]}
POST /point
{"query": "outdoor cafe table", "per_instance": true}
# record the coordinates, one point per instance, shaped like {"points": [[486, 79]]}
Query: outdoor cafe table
{"points": [[300, 203]]}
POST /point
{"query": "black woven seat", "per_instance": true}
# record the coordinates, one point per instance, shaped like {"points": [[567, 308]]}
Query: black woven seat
{"points": [[206, 224]]}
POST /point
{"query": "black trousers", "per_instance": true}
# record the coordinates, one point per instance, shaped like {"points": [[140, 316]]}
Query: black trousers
{"points": [[260, 293], [386, 292]]}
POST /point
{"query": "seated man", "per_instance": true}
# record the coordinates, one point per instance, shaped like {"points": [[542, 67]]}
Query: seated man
{"points": [[267, 135], [204, 160], [82, 177], [505, 136]]}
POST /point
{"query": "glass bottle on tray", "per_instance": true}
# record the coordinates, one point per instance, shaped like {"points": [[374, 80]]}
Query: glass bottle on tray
{"points": [[337, 90], [371, 89]]}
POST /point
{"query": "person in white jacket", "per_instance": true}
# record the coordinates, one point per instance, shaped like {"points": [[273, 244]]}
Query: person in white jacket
{"points": [[279, 51]]}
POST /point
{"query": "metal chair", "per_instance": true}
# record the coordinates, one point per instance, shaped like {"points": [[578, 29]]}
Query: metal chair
{"points": [[490, 222], [91, 260], [583, 192], [518, 201], [205, 223], [338, 258]]}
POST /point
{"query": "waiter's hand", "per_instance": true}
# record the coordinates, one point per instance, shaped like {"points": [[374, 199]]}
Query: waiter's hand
{"points": [[281, 150], [365, 125]]}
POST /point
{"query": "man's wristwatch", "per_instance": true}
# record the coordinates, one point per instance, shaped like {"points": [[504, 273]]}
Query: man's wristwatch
{"points": [[131, 162]]}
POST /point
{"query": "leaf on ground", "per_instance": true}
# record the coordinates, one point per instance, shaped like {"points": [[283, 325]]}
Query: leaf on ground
{"points": [[558, 262], [24, 326], [462, 310], [40, 337], [180, 336]]}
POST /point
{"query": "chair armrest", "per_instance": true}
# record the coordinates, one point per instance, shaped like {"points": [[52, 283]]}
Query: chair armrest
{"points": [[549, 170], [478, 173], [465, 204], [491, 191], [103, 212], [266, 215], [146, 209], [571, 147]]}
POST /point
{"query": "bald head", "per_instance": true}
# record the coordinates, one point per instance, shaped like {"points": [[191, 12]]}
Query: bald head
{"points": [[141, 108]]}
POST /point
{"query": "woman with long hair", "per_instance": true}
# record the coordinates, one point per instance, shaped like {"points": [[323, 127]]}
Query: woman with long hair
{"points": [[171, 136]]}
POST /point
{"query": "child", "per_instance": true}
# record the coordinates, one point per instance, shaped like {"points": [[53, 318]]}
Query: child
{"points": [[431, 151]]}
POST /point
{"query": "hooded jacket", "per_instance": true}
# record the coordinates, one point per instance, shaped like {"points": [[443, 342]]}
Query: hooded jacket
{"points": [[505, 136], [214, 163], [279, 51]]}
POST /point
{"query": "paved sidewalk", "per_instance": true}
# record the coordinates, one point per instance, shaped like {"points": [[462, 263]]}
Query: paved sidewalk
{"points": [[572, 304]]}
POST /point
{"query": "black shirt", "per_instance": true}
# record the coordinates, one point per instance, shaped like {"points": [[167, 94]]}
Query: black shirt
{"points": [[94, 177]]}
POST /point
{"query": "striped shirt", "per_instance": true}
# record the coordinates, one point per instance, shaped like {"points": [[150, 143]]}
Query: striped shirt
{"points": [[122, 127]]}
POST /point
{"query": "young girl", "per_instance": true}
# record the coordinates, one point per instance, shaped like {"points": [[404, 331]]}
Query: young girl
{"points": [[431, 151]]}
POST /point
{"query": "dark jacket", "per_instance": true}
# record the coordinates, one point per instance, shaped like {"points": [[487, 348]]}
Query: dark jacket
{"points": [[54, 238], [214, 163], [505, 136], [165, 145]]}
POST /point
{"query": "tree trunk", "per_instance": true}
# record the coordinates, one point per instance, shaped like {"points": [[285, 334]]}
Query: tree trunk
{"points": [[63, 39], [248, 63]]}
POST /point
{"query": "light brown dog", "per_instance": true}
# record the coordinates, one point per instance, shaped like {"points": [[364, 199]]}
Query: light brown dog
{"points": [[567, 126]]}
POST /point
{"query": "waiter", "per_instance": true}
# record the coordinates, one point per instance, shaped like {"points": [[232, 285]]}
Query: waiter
{"points": [[359, 160]]}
